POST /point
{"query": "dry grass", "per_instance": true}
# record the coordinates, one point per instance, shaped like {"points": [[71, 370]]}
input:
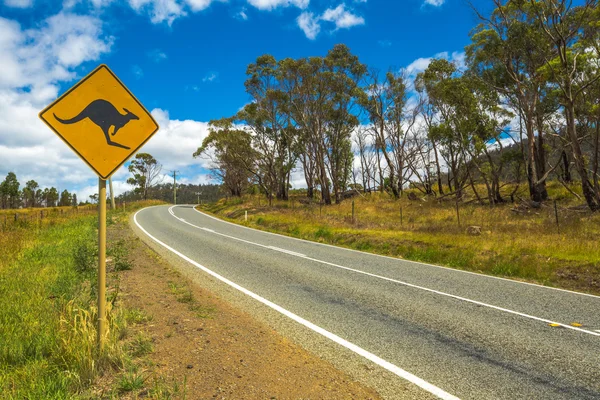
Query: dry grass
{"points": [[524, 245]]}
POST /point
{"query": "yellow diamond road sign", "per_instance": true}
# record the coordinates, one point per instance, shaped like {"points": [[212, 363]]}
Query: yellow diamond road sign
{"points": [[101, 120]]}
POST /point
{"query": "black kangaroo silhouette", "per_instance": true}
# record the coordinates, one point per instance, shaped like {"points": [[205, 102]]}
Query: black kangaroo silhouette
{"points": [[104, 115]]}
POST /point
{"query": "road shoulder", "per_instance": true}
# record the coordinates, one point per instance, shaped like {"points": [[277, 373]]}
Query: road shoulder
{"points": [[217, 350]]}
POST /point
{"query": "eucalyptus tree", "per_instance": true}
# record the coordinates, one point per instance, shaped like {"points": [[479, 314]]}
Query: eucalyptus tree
{"points": [[267, 116], [9, 191], [507, 52], [233, 157], [30, 193], [385, 100], [343, 73], [322, 99], [569, 29], [145, 170], [439, 80], [66, 198]]}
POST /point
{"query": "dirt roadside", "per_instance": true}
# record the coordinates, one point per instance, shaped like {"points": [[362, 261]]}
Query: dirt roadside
{"points": [[208, 349]]}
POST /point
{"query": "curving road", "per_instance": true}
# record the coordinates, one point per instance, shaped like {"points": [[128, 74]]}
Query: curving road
{"points": [[450, 334]]}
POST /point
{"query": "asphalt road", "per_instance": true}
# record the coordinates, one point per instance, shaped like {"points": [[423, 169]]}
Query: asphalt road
{"points": [[451, 333]]}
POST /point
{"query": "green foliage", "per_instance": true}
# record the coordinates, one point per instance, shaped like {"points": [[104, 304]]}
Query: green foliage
{"points": [[47, 319], [85, 252], [120, 254]]}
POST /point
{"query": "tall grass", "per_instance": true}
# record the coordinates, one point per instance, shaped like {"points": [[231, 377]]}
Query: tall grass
{"points": [[48, 309]]}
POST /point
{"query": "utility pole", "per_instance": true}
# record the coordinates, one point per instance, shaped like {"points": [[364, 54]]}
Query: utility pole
{"points": [[112, 194], [174, 186]]}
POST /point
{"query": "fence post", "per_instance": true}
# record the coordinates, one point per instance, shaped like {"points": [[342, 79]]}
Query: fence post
{"points": [[246, 216], [556, 217], [457, 212], [353, 220], [16, 217], [401, 217]]}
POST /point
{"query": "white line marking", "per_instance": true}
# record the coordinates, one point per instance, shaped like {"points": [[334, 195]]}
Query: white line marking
{"points": [[479, 303], [397, 259], [206, 229], [293, 253], [343, 342]]}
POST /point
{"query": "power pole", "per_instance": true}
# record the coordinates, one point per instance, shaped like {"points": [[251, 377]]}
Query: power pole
{"points": [[112, 194], [174, 186]]}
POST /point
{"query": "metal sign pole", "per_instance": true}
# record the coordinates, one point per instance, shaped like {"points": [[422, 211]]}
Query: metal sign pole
{"points": [[101, 262]]}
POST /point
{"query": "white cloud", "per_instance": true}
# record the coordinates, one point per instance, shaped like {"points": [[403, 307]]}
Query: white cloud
{"points": [[241, 14], [157, 55], [273, 4], [342, 17], [138, 72], [159, 10], [434, 3], [18, 3], [309, 24], [168, 11], [421, 64], [198, 5], [211, 77], [34, 62]]}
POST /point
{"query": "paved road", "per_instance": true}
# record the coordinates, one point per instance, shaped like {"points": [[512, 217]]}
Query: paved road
{"points": [[450, 332]]}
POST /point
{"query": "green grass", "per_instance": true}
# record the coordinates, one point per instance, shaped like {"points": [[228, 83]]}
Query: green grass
{"points": [[131, 381], [48, 308], [47, 316], [523, 245]]}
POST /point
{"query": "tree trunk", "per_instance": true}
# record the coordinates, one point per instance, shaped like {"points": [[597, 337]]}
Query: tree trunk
{"points": [[536, 190], [566, 167], [596, 157], [592, 198], [438, 169], [541, 156]]}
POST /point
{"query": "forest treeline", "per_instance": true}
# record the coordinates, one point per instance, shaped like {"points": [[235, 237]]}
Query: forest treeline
{"points": [[523, 108], [32, 195]]}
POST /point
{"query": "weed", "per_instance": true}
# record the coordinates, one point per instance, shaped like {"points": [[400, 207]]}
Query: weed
{"points": [[131, 381], [135, 316], [140, 345], [120, 253]]}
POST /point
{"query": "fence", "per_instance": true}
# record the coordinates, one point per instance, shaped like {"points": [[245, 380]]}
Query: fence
{"points": [[10, 219]]}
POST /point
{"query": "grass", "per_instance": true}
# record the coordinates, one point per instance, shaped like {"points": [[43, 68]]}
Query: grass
{"points": [[48, 308], [524, 244], [183, 294]]}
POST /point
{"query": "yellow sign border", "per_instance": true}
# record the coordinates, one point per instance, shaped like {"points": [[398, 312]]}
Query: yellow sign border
{"points": [[98, 68]]}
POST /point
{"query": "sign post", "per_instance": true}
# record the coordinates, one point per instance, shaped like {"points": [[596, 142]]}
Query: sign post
{"points": [[101, 262], [88, 118]]}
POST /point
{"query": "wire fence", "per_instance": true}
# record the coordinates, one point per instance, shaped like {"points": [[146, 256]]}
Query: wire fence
{"points": [[11, 219]]}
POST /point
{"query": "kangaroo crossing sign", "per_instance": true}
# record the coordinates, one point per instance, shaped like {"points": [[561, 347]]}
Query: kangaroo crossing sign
{"points": [[101, 120]]}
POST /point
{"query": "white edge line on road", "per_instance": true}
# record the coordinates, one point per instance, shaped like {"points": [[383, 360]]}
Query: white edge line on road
{"points": [[393, 258], [343, 342], [293, 253], [479, 303]]}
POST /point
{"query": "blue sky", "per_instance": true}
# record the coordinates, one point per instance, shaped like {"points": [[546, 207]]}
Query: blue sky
{"points": [[186, 59]]}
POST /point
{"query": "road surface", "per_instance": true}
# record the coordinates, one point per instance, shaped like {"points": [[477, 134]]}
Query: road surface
{"points": [[447, 333]]}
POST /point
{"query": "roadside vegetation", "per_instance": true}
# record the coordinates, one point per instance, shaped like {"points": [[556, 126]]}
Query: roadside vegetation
{"points": [[48, 294], [508, 240]]}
